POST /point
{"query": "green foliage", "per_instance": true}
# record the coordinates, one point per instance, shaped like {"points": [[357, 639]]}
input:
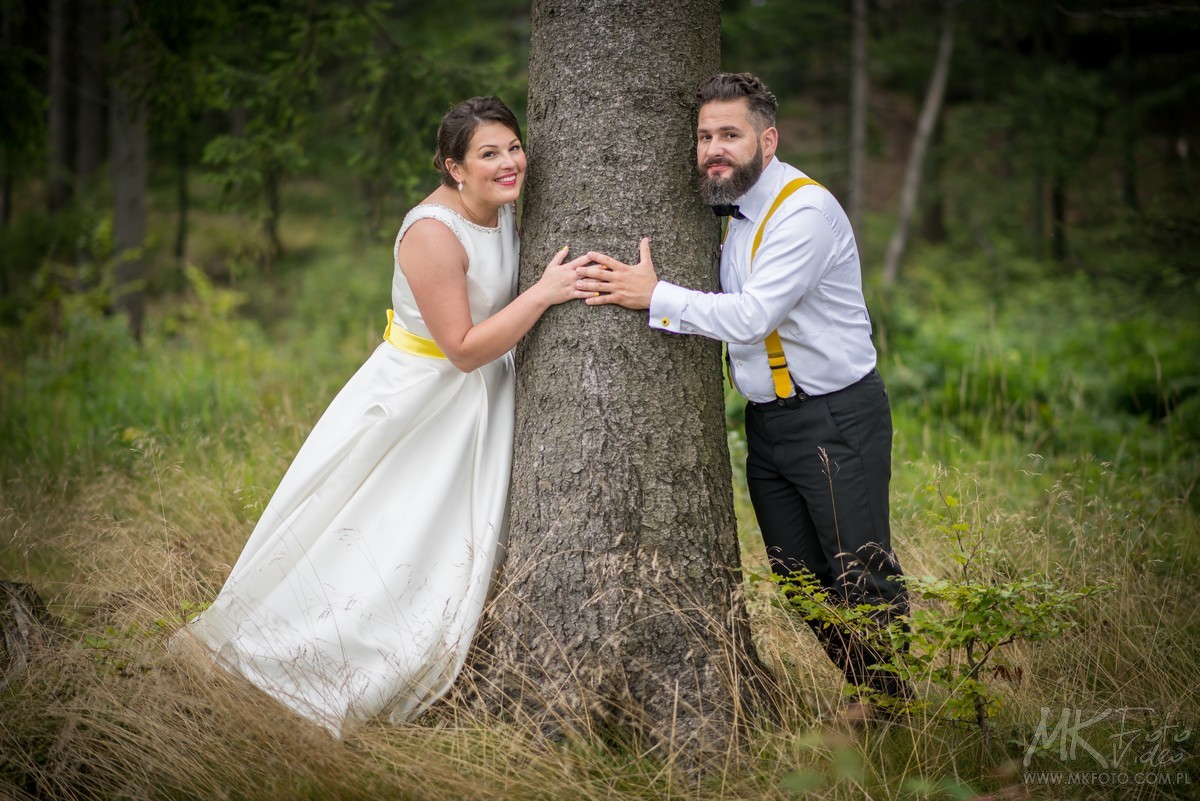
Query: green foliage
{"points": [[273, 93], [401, 70], [952, 638], [44, 259], [1019, 361], [73, 395], [245, 165]]}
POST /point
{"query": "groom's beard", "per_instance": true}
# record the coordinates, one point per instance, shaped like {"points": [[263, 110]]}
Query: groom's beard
{"points": [[715, 191]]}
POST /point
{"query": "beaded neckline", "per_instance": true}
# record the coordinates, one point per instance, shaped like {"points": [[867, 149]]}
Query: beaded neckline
{"points": [[483, 228]]}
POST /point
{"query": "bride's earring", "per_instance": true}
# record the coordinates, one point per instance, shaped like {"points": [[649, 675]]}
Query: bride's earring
{"points": [[460, 186]]}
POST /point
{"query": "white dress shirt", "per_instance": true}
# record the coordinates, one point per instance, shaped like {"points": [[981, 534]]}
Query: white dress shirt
{"points": [[806, 281]]}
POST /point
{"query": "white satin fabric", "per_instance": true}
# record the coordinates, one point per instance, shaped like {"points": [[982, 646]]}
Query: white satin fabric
{"points": [[360, 589]]}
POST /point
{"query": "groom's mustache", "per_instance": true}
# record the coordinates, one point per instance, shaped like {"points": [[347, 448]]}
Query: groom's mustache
{"points": [[719, 160]]}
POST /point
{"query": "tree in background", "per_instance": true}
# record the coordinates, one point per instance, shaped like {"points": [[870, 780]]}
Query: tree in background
{"points": [[398, 69], [860, 88], [620, 607], [802, 49], [267, 82], [931, 110], [22, 125], [130, 167], [1046, 103], [60, 166], [91, 24]]}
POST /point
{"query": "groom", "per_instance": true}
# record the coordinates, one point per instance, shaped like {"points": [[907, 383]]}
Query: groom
{"points": [[791, 309]]}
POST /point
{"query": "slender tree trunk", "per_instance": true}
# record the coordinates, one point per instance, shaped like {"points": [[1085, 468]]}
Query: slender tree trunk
{"points": [[7, 40], [90, 124], [1128, 123], [1060, 42], [620, 608], [6, 190], [1058, 218], [271, 183], [1037, 173], [183, 200], [1037, 213], [59, 178], [858, 122], [1182, 151], [933, 209], [129, 175], [930, 112]]}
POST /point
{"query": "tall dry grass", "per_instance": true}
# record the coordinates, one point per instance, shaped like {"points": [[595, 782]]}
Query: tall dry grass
{"points": [[113, 713], [139, 474]]}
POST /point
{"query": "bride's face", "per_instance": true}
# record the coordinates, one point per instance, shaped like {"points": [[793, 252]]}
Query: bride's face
{"points": [[493, 169]]}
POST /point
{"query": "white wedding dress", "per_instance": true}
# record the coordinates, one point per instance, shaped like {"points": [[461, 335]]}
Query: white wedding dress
{"points": [[360, 589]]}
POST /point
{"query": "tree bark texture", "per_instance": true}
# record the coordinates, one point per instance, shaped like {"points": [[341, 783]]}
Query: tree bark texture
{"points": [[620, 606], [931, 109]]}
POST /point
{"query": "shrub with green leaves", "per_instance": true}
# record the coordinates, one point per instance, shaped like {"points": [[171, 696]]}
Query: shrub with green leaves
{"points": [[946, 646]]}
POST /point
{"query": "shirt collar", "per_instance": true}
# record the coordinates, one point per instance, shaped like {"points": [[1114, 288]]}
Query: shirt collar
{"points": [[756, 199]]}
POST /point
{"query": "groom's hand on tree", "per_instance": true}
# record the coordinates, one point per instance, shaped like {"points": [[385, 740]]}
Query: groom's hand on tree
{"points": [[613, 281]]}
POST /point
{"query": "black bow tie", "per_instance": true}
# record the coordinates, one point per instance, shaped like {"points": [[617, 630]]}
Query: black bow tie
{"points": [[727, 210]]}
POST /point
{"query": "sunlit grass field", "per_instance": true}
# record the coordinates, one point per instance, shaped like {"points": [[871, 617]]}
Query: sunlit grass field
{"points": [[132, 475]]}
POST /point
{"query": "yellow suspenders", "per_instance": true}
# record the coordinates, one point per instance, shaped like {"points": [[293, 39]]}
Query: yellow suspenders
{"points": [[775, 358]]}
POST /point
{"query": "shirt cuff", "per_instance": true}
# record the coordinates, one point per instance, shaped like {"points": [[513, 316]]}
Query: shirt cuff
{"points": [[667, 304]]}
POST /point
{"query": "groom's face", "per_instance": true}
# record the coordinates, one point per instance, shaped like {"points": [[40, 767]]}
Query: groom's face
{"points": [[730, 152]]}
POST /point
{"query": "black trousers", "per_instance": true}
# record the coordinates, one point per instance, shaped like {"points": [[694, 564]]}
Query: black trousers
{"points": [[818, 473]]}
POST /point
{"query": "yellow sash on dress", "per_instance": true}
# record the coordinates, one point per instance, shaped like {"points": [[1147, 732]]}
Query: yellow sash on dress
{"points": [[410, 342]]}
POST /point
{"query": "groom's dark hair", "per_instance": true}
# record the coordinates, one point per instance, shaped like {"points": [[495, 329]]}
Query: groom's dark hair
{"points": [[737, 85]]}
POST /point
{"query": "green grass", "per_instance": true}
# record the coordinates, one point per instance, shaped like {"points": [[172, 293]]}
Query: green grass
{"points": [[130, 478]]}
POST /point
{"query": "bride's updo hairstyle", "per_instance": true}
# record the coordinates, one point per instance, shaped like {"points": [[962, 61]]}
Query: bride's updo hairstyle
{"points": [[459, 125]]}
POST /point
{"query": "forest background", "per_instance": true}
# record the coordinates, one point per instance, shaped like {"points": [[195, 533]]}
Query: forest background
{"points": [[198, 208]]}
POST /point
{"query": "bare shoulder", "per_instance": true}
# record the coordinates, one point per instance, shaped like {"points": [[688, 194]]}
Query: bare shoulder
{"points": [[429, 242]]}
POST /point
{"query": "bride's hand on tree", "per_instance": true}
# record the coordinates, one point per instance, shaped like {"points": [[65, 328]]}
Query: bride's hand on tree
{"points": [[612, 281], [557, 284]]}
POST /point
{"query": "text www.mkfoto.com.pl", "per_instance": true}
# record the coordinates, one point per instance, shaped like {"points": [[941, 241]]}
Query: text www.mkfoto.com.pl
{"points": [[1103, 778]]}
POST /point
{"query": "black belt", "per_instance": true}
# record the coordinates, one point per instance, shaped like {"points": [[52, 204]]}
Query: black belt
{"points": [[792, 402], [795, 401]]}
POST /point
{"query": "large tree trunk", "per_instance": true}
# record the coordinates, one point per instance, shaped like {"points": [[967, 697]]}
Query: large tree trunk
{"points": [[858, 122], [620, 608], [129, 175], [60, 167], [930, 111]]}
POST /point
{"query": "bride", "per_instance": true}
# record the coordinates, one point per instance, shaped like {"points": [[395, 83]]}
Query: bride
{"points": [[361, 586]]}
